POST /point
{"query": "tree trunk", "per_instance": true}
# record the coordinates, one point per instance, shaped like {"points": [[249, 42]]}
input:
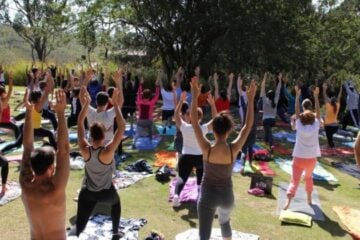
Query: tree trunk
{"points": [[106, 53]]}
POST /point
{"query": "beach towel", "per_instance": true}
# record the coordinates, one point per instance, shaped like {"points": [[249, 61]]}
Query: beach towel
{"points": [[193, 234], [264, 168], [100, 227], [143, 143], [165, 158], [320, 173], [348, 168], [337, 151], [124, 179], [299, 202], [77, 163], [350, 218], [170, 131], [13, 192], [189, 192]]}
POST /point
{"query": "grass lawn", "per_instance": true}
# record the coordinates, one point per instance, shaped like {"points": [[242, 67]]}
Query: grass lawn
{"points": [[149, 199]]}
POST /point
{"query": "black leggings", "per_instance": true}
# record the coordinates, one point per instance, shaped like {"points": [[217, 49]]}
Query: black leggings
{"points": [[330, 130], [186, 163], [349, 120], [12, 126], [87, 201], [38, 132], [45, 114], [4, 169]]}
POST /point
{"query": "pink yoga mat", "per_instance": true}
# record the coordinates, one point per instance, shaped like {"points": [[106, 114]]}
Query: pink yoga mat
{"points": [[337, 151], [265, 169], [17, 158], [189, 192]]}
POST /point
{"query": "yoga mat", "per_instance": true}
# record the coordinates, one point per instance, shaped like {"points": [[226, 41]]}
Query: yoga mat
{"points": [[238, 165], [165, 158], [13, 192], [319, 173], [17, 157], [280, 149], [100, 227], [299, 202], [143, 143], [350, 218], [4, 131], [282, 124], [337, 151], [349, 144], [189, 192], [264, 168], [169, 131], [348, 168], [128, 131], [248, 168], [73, 137], [124, 179], [286, 136], [193, 234]]}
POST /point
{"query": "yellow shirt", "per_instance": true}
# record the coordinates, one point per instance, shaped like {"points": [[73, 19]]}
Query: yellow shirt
{"points": [[36, 119], [330, 115]]}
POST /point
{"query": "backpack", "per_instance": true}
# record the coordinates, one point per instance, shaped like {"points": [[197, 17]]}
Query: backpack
{"points": [[262, 155], [163, 174]]}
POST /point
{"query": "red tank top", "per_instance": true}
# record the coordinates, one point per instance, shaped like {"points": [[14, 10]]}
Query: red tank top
{"points": [[5, 115], [222, 105]]}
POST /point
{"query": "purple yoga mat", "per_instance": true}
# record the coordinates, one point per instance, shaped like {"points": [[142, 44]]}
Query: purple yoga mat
{"points": [[189, 192]]}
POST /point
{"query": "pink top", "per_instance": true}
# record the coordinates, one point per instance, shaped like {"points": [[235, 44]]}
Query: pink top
{"points": [[146, 106], [5, 118]]}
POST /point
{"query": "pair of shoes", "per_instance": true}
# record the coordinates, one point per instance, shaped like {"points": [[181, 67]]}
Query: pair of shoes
{"points": [[143, 166], [256, 192], [154, 235], [176, 201], [117, 236]]}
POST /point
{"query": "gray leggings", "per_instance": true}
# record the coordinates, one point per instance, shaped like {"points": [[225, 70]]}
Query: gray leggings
{"points": [[211, 198]]}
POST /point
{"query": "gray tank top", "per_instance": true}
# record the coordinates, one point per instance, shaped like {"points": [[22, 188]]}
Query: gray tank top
{"points": [[218, 175], [98, 176]]}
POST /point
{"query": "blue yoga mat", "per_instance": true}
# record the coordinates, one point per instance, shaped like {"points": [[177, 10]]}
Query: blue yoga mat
{"points": [[143, 143], [320, 173], [73, 137], [288, 136], [349, 144], [170, 131], [348, 168]]}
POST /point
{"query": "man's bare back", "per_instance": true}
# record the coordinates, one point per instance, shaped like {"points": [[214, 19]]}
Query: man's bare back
{"points": [[357, 150]]}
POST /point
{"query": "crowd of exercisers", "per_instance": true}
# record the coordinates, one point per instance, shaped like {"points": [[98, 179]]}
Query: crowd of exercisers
{"points": [[101, 112]]}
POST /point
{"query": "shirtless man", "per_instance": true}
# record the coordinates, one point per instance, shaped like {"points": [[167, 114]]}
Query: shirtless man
{"points": [[43, 184], [357, 150]]}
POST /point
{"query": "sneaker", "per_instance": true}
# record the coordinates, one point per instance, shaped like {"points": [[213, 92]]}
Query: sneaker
{"points": [[256, 192], [176, 201]]}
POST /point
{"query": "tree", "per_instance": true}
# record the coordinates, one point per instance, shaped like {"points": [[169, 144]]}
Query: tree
{"points": [[41, 23]]}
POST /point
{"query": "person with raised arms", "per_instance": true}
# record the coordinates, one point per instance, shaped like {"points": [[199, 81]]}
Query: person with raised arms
{"points": [[218, 159], [42, 181]]}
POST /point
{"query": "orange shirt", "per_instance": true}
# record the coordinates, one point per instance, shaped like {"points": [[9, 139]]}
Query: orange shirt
{"points": [[330, 115], [202, 99]]}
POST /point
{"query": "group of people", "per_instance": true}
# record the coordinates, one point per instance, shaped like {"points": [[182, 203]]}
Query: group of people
{"points": [[103, 111]]}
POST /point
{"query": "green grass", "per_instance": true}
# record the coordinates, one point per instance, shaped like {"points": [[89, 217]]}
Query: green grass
{"points": [[149, 199]]}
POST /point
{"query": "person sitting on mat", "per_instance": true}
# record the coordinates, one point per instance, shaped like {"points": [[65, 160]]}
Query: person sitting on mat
{"points": [[332, 107], [190, 154], [145, 105], [218, 159], [307, 147], [43, 182], [99, 166], [168, 95], [5, 121]]}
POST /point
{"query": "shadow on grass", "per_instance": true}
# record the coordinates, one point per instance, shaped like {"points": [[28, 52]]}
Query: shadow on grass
{"points": [[191, 213], [329, 225], [327, 185]]}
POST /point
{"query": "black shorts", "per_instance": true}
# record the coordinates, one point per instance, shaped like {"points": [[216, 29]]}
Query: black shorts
{"points": [[125, 111], [167, 114]]}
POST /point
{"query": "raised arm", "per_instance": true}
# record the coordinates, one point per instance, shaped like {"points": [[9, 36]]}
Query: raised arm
{"points": [[47, 90], [317, 105], [239, 85], [9, 92], [178, 109], [107, 155], [340, 93], [277, 91], [211, 101], [26, 174], [263, 85], [238, 143], [297, 101], [216, 85], [62, 156], [228, 90], [118, 78], [179, 77], [159, 79], [82, 142], [139, 92], [325, 96], [202, 141], [157, 93]]}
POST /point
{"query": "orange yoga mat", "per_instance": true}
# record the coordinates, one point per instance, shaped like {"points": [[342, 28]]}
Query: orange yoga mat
{"points": [[350, 218], [165, 158]]}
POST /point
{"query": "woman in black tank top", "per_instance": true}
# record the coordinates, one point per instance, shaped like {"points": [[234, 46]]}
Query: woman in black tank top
{"points": [[216, 187]]}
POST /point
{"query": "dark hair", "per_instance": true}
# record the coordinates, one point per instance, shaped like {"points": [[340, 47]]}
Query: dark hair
{"points": [[333, 102], [146, 93], [42, 85], [76, 92], [184, 107], [41, 158], [271, 95], [222, 123], [110, 91], [97, 131], [35, 96], [203, 89], [64, 83], [307, 104], [223, 95], [102, 98], [2, 89], [168, 87]]}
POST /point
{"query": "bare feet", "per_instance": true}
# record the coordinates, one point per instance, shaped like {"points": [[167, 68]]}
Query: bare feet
{"points": [[3, 189], [287, 204]]}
